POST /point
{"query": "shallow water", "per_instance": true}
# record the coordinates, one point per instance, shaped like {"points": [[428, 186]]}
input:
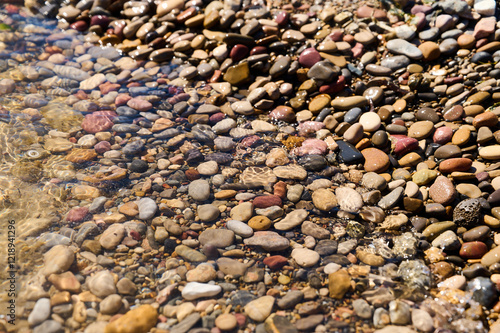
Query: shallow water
{"points": [[28, 200]]}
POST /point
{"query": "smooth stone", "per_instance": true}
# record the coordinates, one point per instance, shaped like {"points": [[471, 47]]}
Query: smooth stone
{"points": [[447, 241], [421, 129], [199, 190], [147, 208], [348, 199], [305, 257], [455, 164], [399, 312], [476, 233], [443, 191], [473, 250], [338, 284], [370, 121], [189, 254], [324, 199], [260, 308], [349, 154], [102, 284], [375, 160], [195, 290], [491, 257], [309, 57], [422, 320], [400, 46], [292, 220], [240, 228], [238, 74], [40, 312], [391, 199], [347, 103], [268, 240], [395, 62]]}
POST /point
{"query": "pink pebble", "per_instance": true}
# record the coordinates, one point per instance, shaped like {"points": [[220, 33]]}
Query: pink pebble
{"points": [[77, 214], [311, 147], [443, 135], [309, 57], [404, 144], [122, 99], [102, 147], [309, 127], [139, 104]]}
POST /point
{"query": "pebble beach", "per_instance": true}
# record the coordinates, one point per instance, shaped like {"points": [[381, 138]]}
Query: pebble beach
{"points": [[190, 166]]}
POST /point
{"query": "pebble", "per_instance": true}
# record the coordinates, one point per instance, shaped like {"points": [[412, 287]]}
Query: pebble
{"points": [[305, 257], [40, 313], [195, 290], [348, 199], [260, 308], [140, 320]]}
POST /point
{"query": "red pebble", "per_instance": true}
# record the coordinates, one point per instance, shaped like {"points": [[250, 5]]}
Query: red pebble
{"points": [[280, 189], [135, 235], [77, 214], [192, 174], [473, 250], [275, 262], [282, 18], [404, 144], [249, 141], [258, 50], [265, 201], [79, 26], [238, 52], [334, 87]]}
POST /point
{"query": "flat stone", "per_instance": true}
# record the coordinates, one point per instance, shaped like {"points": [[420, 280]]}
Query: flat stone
{"points": [[268, 240], [400, 46], [260, 308], [195, 290], [218, 237], [443, 191], [292, 220], [305, 257], [375, 160], [348, 199]]}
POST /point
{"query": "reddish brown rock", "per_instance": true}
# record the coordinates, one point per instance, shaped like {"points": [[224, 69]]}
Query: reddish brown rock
{"points": [[442, 135], [192, 174], [485, 119], [280, 189], [454, 113], [102, 147], [375, 160], [265, 201], [77, 214], [367, 11], [473, 250], [98, 121], [455, 164], [284, 113], [275, 262], [139, 104], [107, 87], [442, 191], [403, 144]]}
